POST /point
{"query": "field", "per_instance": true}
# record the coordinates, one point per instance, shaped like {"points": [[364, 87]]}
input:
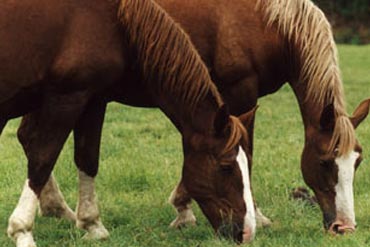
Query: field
{"points": [[141, 162]]}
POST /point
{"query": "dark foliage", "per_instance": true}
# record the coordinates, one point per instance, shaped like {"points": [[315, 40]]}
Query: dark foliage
{"points": [[349, 18]]}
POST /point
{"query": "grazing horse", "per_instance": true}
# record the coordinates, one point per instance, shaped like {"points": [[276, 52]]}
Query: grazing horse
{"points": [[251, 49], [60, 61]]}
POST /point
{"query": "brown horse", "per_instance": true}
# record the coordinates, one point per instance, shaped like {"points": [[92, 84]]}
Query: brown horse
{"points": [[252, 48], [61, 60]]}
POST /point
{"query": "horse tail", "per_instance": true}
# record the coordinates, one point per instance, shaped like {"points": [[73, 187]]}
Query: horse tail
{"points": [[165, 54], [309, 32]]}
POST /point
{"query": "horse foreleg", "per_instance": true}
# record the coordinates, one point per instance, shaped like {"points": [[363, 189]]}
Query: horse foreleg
{"points": [[87, 135], [52, 203], [42, 135], [181, 200], [21, 221]]}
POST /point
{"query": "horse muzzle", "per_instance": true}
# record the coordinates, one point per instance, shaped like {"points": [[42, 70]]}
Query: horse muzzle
{"points": [[341, 227], [238, 233]]}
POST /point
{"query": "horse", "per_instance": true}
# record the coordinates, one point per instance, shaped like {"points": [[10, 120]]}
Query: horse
{"points": [[60, 61], [252, 48]]}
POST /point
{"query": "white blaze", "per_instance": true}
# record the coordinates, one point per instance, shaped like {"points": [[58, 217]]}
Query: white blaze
{"points": [[344, 189], [250, 217]]}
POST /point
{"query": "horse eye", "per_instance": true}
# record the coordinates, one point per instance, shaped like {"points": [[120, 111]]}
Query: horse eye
{"points": [[322, 162], [227, 167], [325, 163]]}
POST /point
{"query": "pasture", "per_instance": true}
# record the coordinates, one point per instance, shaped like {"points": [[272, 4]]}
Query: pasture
{"points": [[141, 162]]}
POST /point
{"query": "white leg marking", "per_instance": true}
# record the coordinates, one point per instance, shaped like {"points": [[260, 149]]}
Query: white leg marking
{"points": [[250, 217], [87, 209], [185, 215], [183, 218], [262, 220], [52, 202], [21, 221], [344, 189]]}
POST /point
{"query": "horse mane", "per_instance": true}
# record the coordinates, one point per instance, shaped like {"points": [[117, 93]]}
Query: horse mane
{"points": [[167, 58], [306, 26]]}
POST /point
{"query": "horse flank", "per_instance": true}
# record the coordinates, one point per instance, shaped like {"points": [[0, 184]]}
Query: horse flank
{"points": [[166, 53], [306, 26]]}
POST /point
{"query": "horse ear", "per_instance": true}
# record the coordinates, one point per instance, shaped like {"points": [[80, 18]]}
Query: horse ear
{"points": [[221, 120], [360, 113], [247, 119], [327, 119]]}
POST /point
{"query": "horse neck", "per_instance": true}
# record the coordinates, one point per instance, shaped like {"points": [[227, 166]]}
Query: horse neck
{"points": [[315, 85], [198, 118], [311, 108], [310, 112]]}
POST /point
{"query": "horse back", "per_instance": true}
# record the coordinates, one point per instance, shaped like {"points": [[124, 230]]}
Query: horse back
{"points": [[243, 55], [31, 34], [45, 42]]}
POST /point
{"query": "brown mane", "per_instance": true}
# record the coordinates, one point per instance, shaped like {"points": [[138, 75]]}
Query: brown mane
{"points": [[166, 52], [306, 26]]}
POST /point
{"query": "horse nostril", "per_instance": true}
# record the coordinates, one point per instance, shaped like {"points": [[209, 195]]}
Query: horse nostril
{"points": [[341, 228], [335, 228]]}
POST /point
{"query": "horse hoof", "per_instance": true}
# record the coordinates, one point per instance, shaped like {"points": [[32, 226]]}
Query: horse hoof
{"points": [[179, 223], [25, 240], [184, 218], [96, 233], [262, 220]]}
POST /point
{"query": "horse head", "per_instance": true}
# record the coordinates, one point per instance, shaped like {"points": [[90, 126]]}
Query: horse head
{"points": [[329, 170], [216, 175]]}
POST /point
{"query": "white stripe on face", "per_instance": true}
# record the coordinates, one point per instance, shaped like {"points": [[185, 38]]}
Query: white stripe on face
{"points": [[344, 189], [250, 217]]}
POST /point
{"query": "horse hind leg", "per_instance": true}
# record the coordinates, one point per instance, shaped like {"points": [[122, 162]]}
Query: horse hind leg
{"points": [[87, 135], [181, 201], [52, 203]]}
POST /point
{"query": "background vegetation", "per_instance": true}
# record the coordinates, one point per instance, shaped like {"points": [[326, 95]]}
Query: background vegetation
{"points": [[350, 19], [141, 163]]}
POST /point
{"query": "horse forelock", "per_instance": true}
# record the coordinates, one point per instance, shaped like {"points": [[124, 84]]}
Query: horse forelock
{"points": [[307, 28], [167, 57], [237, 131], [343, 139]]}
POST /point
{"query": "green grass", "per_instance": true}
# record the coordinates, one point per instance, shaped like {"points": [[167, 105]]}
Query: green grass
{"points": [[141, 162]]}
